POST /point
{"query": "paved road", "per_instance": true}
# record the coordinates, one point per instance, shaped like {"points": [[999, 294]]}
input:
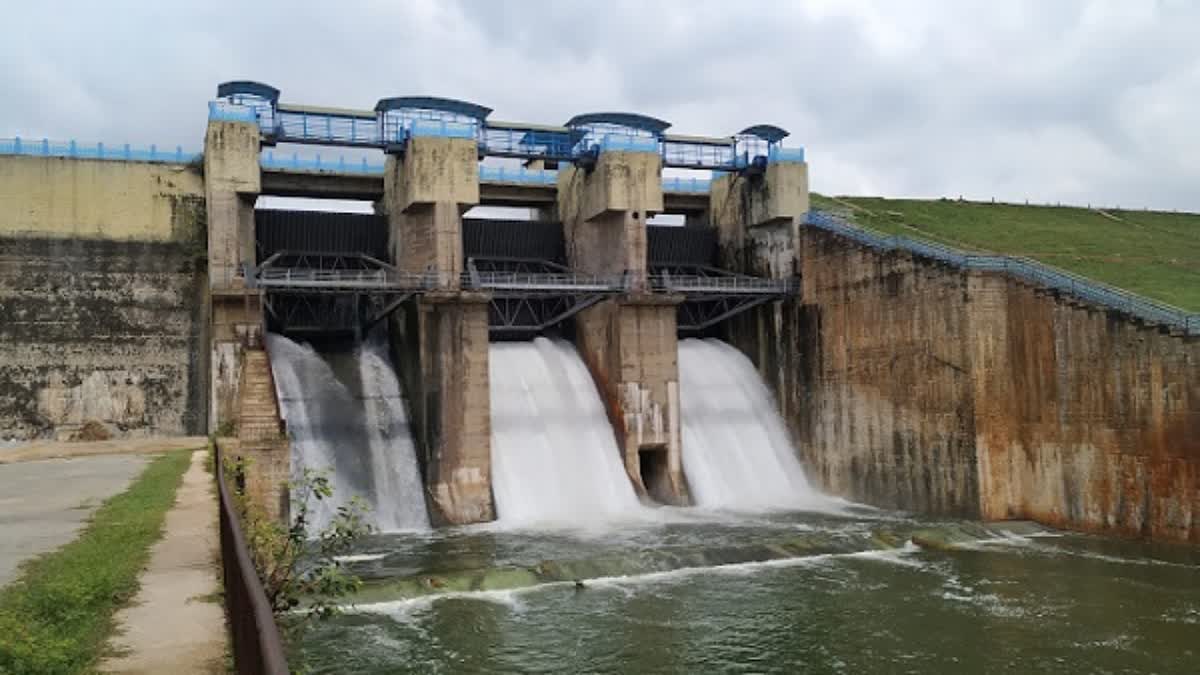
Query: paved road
{"points": [[43, 505]]}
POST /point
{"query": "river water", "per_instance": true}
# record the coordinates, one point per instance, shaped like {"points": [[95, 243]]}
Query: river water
{"points": [[598, 582], [1055, 603]]}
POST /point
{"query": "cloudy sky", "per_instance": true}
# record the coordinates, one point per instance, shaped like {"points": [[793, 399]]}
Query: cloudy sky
{"points": [[1071, 101]]}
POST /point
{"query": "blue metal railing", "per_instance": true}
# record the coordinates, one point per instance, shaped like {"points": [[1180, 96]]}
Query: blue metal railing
{"points": [[120, 152], [628, 143], [502, 174], [229, 112], [779, 153], [491, 174], [694, 185], [696, 155], [1020, 268], [301, 127], [392, 129], [340, 165], [443, 128]]}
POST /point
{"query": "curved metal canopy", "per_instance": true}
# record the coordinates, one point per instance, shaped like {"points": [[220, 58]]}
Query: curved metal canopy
{"points": [[449, 105], [249, 88], [631, 120], [768, 132]]}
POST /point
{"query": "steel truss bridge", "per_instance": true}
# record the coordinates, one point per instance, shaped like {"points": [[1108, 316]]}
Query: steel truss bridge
{"points": [[324, 292], [395, 120]]}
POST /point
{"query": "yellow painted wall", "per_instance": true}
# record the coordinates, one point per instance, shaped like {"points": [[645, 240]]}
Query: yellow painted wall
{"points": [[100, 199]]}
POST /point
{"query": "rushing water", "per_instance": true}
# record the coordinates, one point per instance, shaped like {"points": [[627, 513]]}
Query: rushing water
{"points": [[554, 457], [736, 450], [345, 415], [1055, 604], [1046, 603]]}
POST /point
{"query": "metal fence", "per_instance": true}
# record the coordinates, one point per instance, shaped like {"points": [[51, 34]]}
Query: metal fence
{"points": [[48, 148], [269, 160], [1020, 268], [257, 646], [521, 175]]}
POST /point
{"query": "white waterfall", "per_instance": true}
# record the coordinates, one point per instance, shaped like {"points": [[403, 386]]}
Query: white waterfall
{"points": [[554, 456], [351, 423], [736, 450]]}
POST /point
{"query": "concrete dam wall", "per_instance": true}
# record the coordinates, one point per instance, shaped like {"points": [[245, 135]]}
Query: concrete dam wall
{"points": [[916, 385], [103, 296]]}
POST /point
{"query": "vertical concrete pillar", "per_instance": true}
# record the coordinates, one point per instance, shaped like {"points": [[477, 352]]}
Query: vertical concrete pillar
{"points": [[758, 218], [630, 343], [232, 181], [444, 335]]}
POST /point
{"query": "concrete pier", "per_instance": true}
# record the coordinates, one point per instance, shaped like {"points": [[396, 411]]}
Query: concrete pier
{"points": [[442, 338], [630, 342], [232, 181]]}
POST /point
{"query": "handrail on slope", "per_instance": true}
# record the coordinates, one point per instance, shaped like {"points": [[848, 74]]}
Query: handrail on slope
{"points": [[1022, 268]]}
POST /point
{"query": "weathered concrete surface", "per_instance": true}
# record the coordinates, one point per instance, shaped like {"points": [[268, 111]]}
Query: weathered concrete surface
{"points": [[175, 622], [102, 331], [98, 199], [915, 385], [1083, 418], [441, 344], [604, 213], [42, 450], [433, 170], [631, 347], [232, 181], [758, 219], [38, 515]]}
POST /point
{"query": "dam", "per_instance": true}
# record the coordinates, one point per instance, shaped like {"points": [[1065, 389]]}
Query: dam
{"points": [[600, 379]]}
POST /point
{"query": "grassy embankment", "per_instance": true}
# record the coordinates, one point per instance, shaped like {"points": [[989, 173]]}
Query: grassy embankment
{"points": [[1151, 253], [58, 615]]}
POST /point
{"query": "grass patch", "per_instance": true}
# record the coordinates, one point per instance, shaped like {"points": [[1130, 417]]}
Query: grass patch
{"points": [[58, 615], [1151, 253]]}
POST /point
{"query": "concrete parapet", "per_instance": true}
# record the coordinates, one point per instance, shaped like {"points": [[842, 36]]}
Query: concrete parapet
{"points": [[442, 343], [631, 348], [96, 199]]}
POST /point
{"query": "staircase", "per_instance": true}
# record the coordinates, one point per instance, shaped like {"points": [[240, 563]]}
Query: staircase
{"points": [[258, 407]]}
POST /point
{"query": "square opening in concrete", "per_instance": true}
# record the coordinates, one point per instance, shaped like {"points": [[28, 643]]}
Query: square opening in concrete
{"points": [[652, 465]]}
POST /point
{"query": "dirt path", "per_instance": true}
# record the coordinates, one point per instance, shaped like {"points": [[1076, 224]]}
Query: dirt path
{"points": [[176, 624], [39, 450]]}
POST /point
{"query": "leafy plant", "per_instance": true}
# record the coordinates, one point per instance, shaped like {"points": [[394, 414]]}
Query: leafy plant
{"points": [[300, 573]]}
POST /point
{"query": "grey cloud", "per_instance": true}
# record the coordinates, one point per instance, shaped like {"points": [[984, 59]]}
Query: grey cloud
{"points": [[1078, 101]]}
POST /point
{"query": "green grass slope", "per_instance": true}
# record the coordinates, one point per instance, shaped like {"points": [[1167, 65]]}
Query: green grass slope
{"points": [[1154, 254]]}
